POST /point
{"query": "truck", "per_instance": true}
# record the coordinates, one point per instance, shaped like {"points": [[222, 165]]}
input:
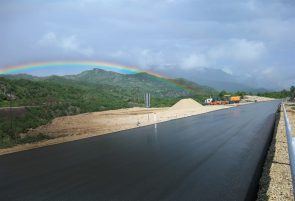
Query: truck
{"points": [[208, 101], [215, 101], [234, 99], [222, 101]]}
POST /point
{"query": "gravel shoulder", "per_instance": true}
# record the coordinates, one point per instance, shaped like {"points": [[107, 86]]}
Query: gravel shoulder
{"points": [[275, 182]]}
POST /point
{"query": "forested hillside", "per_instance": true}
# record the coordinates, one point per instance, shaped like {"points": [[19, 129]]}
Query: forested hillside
{"points": [[89, 91]]}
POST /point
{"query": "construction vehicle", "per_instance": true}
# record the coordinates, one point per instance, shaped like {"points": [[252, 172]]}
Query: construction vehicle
{"points": [[234, 99], [222, 101], [208, 101], [215, 101]]}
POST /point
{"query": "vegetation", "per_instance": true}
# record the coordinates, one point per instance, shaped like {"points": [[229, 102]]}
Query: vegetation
{"points": [[275, 94], [238, 93], [280, 94], [6, 141], [33, 117], [95, 90]]}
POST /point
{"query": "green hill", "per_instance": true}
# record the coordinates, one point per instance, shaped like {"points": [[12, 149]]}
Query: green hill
{"points": [[132, 85], [104, 87], [93, 90]]}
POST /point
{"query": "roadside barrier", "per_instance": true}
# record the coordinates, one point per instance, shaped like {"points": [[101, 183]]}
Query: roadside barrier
{"points": [[291, 147]]}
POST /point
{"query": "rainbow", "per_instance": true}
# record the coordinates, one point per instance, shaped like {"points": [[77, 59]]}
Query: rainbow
{"points": [[70, 64], [84, 64]]}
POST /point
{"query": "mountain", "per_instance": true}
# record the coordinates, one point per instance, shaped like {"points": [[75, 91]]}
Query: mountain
{"points": [[221, 80], [20, 76], [142, 83]]}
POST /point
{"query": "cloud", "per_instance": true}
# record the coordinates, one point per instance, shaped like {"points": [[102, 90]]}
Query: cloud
{"points": [[68, 44], [228, 71], [241, 50], [231, 52], [147, 58], [48, 39], [194, 61]]}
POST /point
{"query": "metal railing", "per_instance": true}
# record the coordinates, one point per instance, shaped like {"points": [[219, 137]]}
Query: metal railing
{"points": [[291, 147]]}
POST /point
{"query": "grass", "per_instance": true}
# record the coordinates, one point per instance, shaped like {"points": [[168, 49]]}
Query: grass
{"points": [[32, 139], [7, 141], [20, 122]]}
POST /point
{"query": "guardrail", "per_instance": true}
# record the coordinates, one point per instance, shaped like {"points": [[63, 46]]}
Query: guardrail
{"points": [[291, 147]]}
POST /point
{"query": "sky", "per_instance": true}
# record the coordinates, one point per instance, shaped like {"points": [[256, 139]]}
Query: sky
{"points": [[248, 39]]}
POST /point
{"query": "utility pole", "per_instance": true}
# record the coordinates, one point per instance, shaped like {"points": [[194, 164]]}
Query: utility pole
{"points": [[147, 100], [10, 110]]}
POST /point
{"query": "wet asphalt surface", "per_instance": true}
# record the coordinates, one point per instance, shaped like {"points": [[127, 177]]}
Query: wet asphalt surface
{"points": [[213, 156]]}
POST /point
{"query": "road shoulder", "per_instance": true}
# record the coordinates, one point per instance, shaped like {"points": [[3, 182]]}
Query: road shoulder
{"points": [[275, 182]]}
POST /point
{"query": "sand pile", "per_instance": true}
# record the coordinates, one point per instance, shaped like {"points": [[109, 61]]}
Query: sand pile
{"points": [[186, 104]]}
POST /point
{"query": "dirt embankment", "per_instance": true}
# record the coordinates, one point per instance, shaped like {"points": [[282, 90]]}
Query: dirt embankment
{"points": [[115, 120], [70, 128]]}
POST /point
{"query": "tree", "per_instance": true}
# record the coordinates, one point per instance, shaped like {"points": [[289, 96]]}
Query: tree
{"points": [[241, 93], [222, 93]]}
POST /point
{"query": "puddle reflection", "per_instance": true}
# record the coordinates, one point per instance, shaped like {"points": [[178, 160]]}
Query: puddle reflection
{"points": [[152, 137]]}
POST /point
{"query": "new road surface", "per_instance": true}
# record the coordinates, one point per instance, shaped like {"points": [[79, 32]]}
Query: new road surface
{"points": [[213, 156]]}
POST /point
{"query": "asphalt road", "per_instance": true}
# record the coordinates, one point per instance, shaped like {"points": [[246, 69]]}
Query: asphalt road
{"points": [[213, 156]]}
